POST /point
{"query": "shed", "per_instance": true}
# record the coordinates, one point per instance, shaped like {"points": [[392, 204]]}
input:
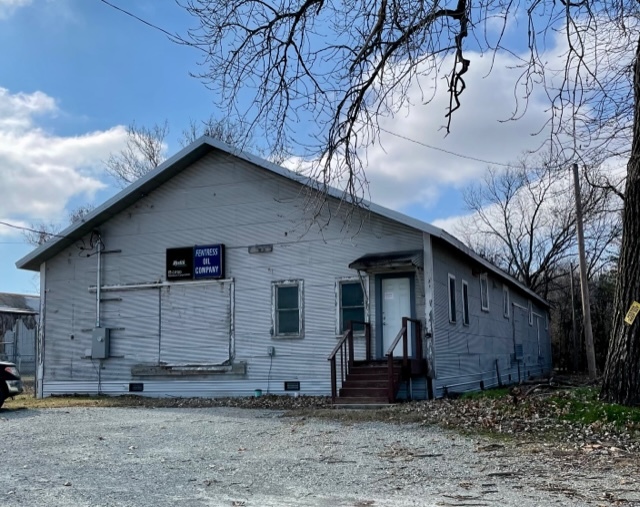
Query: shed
{"points": [[18, 329]]}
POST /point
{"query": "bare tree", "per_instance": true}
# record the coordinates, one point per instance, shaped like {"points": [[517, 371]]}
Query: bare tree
{"points": [[225, 130], [344, 65], [42, 232], [143, 152], [524, 221]]}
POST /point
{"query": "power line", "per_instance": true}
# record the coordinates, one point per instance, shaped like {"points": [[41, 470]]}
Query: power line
{"points": [[468, 157], [172, 36], [29, 229], [179, 40]]}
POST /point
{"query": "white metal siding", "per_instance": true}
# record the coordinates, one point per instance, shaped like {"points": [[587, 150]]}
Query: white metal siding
{"points": [[465, 355], [196, 324], [220, 199]]}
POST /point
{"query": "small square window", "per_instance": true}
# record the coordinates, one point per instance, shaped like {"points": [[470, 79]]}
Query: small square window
{"points": [[484, 292], [287, 304], [505, 301], [452, 299], [352, 307], [465, 303]]}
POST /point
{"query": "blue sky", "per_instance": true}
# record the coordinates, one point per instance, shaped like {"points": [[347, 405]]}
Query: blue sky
{"points": [[74, 73]]}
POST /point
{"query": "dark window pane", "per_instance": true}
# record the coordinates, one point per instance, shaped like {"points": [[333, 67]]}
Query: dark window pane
{"points": [[452, 299], [484, 293], [352, 314], [465, 304], [288, 297], [288, 322], [352, 294]]}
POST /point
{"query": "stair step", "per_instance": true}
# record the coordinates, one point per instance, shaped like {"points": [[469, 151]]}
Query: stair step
{"points": [[360, 370], [366, 392], [372, 400], [369, 382]]}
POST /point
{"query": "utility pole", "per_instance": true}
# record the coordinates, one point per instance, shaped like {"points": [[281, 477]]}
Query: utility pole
{"points": [[586, 308], [575, 348]]}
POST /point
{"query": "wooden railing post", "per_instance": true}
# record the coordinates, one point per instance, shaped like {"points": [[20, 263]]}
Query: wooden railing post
{"points": [[391, 388], [346, 348], [419, 353], [334, 383], [405, 342], [350, 345]]}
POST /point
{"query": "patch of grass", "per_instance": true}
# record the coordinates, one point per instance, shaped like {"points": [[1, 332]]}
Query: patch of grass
{"points": [[25, 401], [491, 394], [583, 406]]}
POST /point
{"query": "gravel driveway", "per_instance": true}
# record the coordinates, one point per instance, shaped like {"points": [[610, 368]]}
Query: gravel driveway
{"points": [[235, 457]]}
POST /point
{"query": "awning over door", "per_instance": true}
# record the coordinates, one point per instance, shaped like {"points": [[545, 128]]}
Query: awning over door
{"points": [[389, 260]]}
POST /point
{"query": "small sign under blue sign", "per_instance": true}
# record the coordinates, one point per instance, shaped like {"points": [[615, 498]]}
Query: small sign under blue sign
{"points": [[208, 261]]}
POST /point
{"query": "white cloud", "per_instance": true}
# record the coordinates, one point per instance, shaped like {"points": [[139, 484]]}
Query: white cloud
{"points": [[41, 171], [7, 7], [402, 172]]}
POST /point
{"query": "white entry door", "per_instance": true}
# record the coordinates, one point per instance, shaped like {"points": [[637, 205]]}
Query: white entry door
{"points": [[396, 303]]}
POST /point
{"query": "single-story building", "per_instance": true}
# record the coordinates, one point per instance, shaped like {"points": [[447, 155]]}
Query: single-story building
{"points": [[214, 276], [18, 329]]}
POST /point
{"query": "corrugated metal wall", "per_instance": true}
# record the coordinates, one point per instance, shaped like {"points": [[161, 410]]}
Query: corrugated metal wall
{"points": [[17, 340], [219, 199], [467, 354]]}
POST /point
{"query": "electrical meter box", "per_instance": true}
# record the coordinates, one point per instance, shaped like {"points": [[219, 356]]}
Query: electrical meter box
{"points": [[100, 343]]}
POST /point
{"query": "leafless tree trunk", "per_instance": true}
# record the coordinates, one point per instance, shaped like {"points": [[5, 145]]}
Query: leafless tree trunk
{"points": [[621, 382]]}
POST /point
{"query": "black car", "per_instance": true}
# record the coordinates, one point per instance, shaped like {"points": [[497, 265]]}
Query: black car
{"points": [[10, 382]]}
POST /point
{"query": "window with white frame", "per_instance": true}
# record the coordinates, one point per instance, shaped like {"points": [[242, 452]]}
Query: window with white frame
{"points": [[484, 292], [530, 308], [287, 308], [351, 305], [452, 298], [465, 303], [505, 301]]}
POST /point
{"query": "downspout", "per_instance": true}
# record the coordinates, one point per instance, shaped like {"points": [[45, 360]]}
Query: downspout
{"points": [[98, 278]]}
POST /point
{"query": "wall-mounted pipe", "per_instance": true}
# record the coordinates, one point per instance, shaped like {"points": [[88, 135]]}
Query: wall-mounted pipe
{"points": [[98, 278]]}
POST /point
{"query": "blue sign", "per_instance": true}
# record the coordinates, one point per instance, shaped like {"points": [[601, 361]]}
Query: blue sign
{"points": [[208, 261]]}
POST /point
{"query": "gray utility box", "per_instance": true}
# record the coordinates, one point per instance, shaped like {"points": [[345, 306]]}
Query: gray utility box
{"points": [[100, 343]]}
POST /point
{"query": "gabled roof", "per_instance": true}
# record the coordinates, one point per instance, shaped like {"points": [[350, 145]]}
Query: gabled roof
{"points": [[19, 303], [195, 151]]}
